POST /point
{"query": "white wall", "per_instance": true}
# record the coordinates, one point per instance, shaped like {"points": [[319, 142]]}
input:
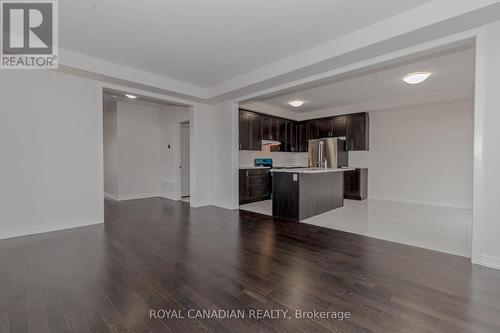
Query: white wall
{"points": [[51, 139], [139, 151], [110, 138], [51, 144], [225, 155], [421, 154], [201, 131], [486, 216]]}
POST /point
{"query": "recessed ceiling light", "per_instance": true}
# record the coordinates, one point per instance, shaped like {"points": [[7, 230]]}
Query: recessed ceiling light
{"points": [[296, 103], [131, 96], [416, 78]]}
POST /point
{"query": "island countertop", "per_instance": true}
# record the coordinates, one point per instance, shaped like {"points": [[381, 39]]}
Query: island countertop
{"points": [[253, 168], [312, 170]]}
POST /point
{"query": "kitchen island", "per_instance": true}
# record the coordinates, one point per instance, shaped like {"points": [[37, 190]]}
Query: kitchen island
{"points": [[302, 193]]}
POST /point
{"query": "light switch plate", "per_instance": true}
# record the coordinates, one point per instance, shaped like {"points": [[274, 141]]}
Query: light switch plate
{"points": [[295, 177]]}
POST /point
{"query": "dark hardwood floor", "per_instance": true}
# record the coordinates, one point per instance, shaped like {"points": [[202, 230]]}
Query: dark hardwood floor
{"points": [[160, 254]]}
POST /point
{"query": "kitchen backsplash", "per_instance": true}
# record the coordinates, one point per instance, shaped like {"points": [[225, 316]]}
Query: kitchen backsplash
{"points": [[279, 158]]}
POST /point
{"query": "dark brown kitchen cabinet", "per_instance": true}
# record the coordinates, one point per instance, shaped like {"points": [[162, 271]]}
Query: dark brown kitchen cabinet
{"points": [[282, 136], [275, 129], [256, 132], [328, 127], [312, 129], [291, 138], [356, 184], [266, 128], [288, 135], [294, 136], [358, 131], [250, 131], [302, 139], [254, 185], [325, 128], [270, 128], [244, 131], [338, 126], [295, 133]]}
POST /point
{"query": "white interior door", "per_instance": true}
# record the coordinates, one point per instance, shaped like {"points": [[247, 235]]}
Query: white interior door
{"points": [[185, 160]]}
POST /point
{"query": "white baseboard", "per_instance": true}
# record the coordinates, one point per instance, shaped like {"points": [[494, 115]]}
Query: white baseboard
{"points": [[110, 196], [169, 191], [166, 196], [223, 205], [199, 203], [490, 261], [40, 229], [427, 203], [170, 196], [138, 196]]}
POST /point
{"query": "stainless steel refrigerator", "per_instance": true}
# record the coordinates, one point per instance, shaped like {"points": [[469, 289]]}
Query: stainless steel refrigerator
{"points": [[329, 152]]}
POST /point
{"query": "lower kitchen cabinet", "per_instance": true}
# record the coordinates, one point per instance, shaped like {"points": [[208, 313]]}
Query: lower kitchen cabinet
{"points": [[254, 185], [356, 184]]}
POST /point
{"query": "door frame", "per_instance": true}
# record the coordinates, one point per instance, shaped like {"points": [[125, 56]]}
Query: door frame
{"points": [[178, 195]]}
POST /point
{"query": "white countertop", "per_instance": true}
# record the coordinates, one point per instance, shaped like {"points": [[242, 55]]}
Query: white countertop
{"points": [[253, 167], [312, 170]]}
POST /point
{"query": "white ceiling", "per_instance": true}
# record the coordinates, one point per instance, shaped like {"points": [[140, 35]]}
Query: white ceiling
{"points": [[452, 77], [209, 42]]}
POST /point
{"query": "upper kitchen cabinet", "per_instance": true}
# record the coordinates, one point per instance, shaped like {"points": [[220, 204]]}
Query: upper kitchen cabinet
{"points": [[285, 135], [357, 128], [292, 139], [266, 128], [270, 128], [256, 131], [324, 127], [338, 126], [294, 136], [302, 139], [250, 130], [312, 129], [244, 131]]}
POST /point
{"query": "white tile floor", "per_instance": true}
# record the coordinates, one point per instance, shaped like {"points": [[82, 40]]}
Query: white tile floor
{"points": [[432, 227]]}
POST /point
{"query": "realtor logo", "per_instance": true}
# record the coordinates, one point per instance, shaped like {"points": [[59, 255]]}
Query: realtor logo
{"points": [[29, 35]]}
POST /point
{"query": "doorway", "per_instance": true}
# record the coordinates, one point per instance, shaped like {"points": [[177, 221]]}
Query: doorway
{"points": [[142, 148], [184, 161]]}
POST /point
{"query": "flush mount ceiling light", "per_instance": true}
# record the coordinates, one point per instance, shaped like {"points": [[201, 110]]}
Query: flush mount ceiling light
{"points": [[130, 96], [296, 103], [416, 78]]}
